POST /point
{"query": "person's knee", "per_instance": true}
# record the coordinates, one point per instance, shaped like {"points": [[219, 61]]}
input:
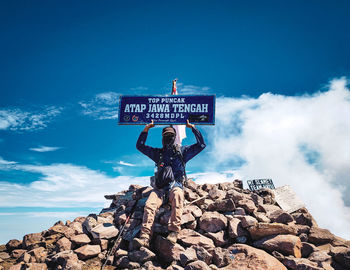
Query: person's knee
{"points": [[178, 193]]}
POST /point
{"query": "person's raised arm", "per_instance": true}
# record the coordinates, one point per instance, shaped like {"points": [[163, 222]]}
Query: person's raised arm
{"points": [[192, 150], [141, 143]]}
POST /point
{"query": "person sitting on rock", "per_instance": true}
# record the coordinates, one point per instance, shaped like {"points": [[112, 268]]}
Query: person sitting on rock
{"points": [[169, 179]]}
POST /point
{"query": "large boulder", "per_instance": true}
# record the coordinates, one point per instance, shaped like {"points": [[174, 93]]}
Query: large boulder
{"points": [[64, 244], [341, 255], [280, 216], [300, 263], [188, 237], [248, 221], [88, 251], [167, 251], [216, 194], [198, 265], [89, 223], [219, 238], [247, 257], [320, 236], [36, 266], [104, 231], [80, 239], [261, 230], [32, 239], [222, 257], [142, 255], [13, 244], [224, 205], [247, 204], [16, 253], [285, 244], [194, 210], [235, 228], [76, 226], [188, 256], [40, 254], [212, 222], [61, 229], [62, 257]]}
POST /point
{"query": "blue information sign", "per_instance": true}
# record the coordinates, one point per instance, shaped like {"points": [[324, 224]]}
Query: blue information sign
{"points": [[174, 109]]}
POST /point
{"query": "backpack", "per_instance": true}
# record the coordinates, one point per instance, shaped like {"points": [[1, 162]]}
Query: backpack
{"points": [[164, 175]]}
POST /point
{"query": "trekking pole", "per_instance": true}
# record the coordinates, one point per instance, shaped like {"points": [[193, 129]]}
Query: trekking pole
{"points": [[116, 242], [196, 200]]}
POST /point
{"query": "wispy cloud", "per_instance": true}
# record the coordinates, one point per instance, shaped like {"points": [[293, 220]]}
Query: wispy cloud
{"points": [[63, 185], [6, 162], [126, 164], [102, 106], [302, 141], [61, 214], [139, 89], [44, 148], [188, 89], [17, 119]]}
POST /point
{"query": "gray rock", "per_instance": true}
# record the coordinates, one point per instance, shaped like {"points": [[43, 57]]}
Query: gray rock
{"points": [[221, 257], [320, 236], [218, 238], [142, 255], [248, 221], [89, 223], [13, 244], [198, 265], [88, 251], [188, 256], [212, 222], [80, 239], [203, 254], [299, 263], [64, 244], [104, 231], [216, 194]]}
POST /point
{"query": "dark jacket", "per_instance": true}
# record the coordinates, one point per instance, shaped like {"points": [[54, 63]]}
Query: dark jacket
{"points": [[170, 156]]}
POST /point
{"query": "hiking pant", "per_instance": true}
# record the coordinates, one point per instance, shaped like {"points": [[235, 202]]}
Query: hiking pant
{"points": [[154, 201]]}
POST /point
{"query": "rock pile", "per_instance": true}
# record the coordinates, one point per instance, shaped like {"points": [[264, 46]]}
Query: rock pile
{"points": [[223, 227]]}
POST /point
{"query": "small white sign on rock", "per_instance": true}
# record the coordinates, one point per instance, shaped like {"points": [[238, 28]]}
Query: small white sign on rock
{"points": [[287, 199]]}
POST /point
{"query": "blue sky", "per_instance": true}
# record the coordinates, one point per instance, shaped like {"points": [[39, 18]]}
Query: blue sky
{"points": [[63, 66]]}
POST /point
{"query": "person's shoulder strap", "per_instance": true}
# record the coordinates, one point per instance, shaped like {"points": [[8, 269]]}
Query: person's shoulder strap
{"points": [[179, 152]]}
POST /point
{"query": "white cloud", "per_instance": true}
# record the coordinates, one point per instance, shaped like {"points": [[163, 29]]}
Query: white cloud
{"points": [[189, 89], [64, 185], [139, 89], [60, 215], [44, 148], [6, 162], [102, 106], [18, 119], [126, 164], [302, 141]]}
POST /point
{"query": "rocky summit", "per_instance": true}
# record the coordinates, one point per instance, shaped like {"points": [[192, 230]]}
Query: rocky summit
{"points": [[223, 227]]}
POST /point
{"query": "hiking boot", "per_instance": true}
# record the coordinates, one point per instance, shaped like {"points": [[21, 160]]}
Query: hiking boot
{"points": [[172, 237], [140, 242]]}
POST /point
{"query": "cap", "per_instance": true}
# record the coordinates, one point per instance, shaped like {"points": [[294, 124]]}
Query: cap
{"points": [[168, 131]]}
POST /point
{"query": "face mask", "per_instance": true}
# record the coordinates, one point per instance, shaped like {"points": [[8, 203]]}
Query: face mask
{"points": [[168, 140]]}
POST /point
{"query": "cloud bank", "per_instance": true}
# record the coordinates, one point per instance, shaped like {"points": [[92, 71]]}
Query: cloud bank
{"points": [[62, 185], [302, 141]]}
